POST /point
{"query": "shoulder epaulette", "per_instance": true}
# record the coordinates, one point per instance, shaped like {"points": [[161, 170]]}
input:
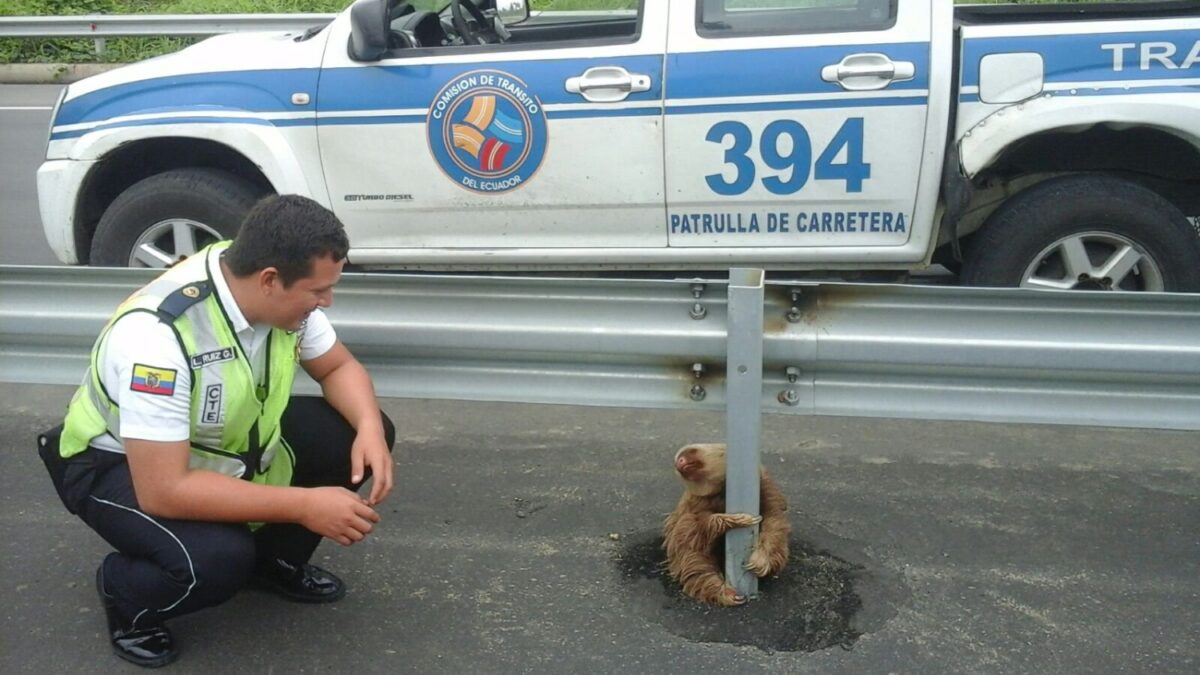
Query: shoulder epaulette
{"points": [[174, 305]]}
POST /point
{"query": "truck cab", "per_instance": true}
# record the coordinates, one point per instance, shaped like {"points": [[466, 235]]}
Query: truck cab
{"points": [[677, 134]]}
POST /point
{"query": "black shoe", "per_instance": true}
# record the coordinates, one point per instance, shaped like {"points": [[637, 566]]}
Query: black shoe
{"points": [[299, 583], [151, 646]]}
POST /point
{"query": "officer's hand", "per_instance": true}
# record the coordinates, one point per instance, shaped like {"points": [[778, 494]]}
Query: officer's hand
{"points": [[370, 451], [337, 513]]}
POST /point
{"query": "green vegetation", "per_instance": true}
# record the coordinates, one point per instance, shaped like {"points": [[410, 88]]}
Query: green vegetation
{"points": [[123, 50]]}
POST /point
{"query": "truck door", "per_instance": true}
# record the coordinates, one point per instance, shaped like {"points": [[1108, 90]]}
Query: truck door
{"points": [[552, 139], [796, 123]]}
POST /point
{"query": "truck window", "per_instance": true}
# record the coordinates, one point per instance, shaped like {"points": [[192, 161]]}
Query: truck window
{"points": [[593, 22], [740, 18], [585, 10], [581, 20]]}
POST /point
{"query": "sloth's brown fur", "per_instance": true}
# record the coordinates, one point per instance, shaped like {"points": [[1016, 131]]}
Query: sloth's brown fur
{"points": [[693, 532]]}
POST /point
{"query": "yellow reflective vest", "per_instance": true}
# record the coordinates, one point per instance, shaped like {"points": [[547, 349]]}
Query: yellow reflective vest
{"points": [[235, 420]]}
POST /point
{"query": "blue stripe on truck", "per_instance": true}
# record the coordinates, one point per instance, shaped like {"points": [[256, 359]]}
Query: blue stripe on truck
{"points": [[1084, 58]]}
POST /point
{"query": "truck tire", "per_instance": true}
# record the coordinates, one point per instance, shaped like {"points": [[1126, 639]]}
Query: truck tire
{"points": [[1086, 232], [170, 215]]}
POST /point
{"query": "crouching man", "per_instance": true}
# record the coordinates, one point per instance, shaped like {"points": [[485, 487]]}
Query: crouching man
{"points": [[183, 439]]}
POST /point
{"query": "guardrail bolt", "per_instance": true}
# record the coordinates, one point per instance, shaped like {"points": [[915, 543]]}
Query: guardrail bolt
{"points": [[794, 315], [698, 310], [697, 393], [790, 396]]}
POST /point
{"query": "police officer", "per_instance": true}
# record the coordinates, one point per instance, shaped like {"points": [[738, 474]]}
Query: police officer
{"points": [[183, 439]]}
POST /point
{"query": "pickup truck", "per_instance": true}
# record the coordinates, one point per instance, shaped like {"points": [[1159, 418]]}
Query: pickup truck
{"points": [[1049, 146]]}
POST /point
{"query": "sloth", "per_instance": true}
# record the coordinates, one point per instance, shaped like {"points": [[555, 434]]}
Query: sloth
{"points": [[693, 532]]}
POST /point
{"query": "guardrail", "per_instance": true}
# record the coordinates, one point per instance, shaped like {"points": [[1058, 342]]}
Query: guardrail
{"points": [[131, 25], [99, 27], [1108, 359], [835, 349], [188, 25]]}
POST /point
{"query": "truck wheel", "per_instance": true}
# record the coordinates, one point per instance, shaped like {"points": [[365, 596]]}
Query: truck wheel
{"points": [[1086, 232], [171, 215]]}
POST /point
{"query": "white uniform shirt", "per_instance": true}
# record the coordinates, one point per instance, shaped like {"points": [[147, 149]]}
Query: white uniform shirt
{"points": [[141, 338]]}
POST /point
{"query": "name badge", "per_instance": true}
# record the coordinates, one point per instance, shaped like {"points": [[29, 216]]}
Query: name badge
{"points": [[209, 358]]}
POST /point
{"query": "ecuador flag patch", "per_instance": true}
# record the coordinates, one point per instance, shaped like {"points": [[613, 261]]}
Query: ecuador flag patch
{"points": [[151, 380]]}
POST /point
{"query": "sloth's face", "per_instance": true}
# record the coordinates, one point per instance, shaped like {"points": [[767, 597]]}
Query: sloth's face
{"points": [[701, 466]]}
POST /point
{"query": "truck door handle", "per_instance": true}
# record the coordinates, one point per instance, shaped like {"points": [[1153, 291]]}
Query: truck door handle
{"points": [[605, 84], [864, 72]]}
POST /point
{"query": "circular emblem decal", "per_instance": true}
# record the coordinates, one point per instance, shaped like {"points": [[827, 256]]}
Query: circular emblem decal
{"points": [[487, 131], [191, 291]]}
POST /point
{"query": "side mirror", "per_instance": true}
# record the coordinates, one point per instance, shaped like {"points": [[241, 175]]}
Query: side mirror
{"points": [[369, 29], [512, 12]]}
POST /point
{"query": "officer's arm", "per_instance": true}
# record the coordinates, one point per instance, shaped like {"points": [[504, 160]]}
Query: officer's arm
{"points": [[167, 488], [347, 386]]}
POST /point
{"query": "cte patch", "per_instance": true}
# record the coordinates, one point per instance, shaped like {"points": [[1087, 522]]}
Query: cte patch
{"points": [[211, 413], [151, 380]]}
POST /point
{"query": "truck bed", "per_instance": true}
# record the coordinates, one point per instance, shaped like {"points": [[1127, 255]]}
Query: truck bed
{"points": [[993, 14]]}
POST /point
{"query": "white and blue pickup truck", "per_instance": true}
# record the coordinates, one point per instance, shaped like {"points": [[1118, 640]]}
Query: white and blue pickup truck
{"points": [[1051, 146]]}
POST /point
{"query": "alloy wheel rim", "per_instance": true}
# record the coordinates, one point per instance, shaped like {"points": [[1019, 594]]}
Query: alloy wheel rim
{"points": [[168, 241], [1094, 261]]}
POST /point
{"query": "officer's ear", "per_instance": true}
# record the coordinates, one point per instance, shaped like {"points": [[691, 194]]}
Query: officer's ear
{"points": [[269, 280]]}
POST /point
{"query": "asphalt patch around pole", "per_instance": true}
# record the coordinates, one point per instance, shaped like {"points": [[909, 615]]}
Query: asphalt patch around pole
{"points": [[815, 603]]}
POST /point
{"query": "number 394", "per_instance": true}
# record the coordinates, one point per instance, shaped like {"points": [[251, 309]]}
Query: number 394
{"points": [[799, 159]]}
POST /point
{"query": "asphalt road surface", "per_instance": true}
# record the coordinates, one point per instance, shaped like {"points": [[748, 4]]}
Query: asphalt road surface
{"points": [[24, 123], [521, 539]]}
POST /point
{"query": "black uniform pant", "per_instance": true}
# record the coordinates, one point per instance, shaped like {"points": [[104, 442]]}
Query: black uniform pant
{"points": [[164, 568]]}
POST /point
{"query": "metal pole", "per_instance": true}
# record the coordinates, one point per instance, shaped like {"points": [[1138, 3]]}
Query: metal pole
{"points": [[743, 424]]}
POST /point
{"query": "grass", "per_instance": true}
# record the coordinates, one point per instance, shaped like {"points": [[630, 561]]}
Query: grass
{"points": [[124, 50]]}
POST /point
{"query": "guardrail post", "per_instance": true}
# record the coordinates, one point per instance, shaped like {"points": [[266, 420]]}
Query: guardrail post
{"points": [[743, 422]]}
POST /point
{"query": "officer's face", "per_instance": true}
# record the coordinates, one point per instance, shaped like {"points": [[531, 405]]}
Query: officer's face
{"points": [[292, 304]]}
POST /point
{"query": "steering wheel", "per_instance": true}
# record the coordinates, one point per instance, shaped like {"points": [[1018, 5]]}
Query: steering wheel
{"points": [[481, 33]]}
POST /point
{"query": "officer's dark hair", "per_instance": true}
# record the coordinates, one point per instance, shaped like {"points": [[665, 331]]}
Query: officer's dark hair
{"points": [[287, 232]]}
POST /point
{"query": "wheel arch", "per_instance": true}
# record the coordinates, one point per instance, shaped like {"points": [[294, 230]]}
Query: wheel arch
{"points": [[984, 145], [1152, 141], [263, 164], [1164, 160]]}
